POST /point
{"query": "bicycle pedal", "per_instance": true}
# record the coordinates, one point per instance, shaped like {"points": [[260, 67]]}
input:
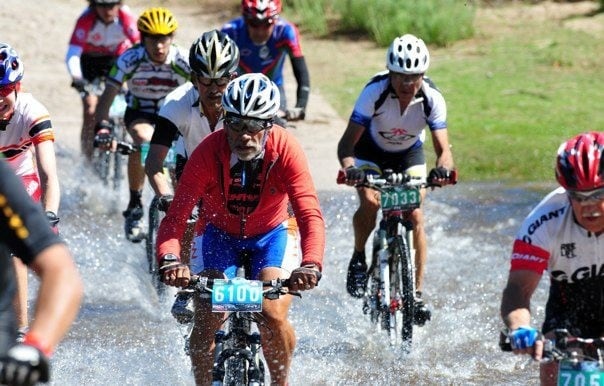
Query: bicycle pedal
{"points": [[366, 308]]}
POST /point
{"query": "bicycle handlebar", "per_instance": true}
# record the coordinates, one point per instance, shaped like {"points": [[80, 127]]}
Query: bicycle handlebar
{"points": [[276, 287], [559, 347], [394, 179]]}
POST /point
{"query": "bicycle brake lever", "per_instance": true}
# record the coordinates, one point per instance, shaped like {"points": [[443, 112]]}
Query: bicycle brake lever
{"points": [[504, 341], [125, 148]]}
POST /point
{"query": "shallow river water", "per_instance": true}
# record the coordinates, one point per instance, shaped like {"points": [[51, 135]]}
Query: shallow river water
{"points": [[125, 335]]}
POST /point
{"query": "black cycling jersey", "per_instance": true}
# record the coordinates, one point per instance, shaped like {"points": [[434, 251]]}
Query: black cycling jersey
{"points": [[24, 232]]}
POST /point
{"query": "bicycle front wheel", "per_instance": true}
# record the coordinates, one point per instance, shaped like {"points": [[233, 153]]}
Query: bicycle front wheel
{"points": [[154, 218], [407, 285]]}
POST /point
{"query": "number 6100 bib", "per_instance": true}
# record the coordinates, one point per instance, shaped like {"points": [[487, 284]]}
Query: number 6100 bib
{"points": [[237, 294]]}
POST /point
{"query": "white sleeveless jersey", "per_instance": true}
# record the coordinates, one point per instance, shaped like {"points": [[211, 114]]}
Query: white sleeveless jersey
{"points": [[29, 125], [149, 83], [551, 239], [182, 108], [377, 109]]}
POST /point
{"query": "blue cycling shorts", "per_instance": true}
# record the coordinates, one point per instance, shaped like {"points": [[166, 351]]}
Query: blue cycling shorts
{"points": [[218, 250]]}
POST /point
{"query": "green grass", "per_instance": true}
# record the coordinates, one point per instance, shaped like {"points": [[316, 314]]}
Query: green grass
{"points": [[512, 97], [437, 21]]}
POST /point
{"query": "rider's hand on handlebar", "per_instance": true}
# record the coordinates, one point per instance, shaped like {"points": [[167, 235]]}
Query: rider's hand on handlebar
{"points": [[164, 202], [442, 176], [79, 85], [173, 272], [304, 278], [24, 365], [351, 176], [526, 340], [103, 135], [295, 114]]}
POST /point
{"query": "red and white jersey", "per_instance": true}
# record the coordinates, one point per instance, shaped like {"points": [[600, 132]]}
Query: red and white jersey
{"points": [[97, 38], [551, 239], [29, 125]]}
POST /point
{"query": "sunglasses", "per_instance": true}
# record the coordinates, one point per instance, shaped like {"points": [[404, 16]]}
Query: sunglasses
{"points": [[256, 23], [249, 125], [7, 90], [592, 195], [406, 78], [220, 82]]}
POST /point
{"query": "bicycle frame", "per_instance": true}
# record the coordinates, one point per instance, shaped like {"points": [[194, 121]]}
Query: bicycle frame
{"points": [[393, 265], [390, 298]]}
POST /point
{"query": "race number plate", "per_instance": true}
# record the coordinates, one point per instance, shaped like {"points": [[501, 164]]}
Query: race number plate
{"points": [[580, 374], [237, 295], [397, 197]]}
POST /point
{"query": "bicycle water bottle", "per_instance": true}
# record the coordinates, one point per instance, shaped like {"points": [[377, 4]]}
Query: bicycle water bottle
{"points": [[144, 152]]}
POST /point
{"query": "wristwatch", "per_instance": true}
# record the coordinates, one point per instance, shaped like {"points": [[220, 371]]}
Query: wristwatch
{"points": [[311, 266], [169, 258]]}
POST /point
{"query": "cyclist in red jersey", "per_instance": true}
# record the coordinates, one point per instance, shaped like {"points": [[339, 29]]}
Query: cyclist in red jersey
{"points": [[102, 32], [563, 235], [24, 231], [245, 177]]}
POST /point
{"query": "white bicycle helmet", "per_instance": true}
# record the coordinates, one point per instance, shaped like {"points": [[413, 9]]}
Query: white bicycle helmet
{"points": [[214, 55], [408, 54], [252, 95], [11, 67]]}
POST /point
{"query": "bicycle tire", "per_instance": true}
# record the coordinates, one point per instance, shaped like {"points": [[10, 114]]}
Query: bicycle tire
{"points": [[150, 244], [372, 299], [236, 371], [118, 158], [407, 290], [101, 162]]}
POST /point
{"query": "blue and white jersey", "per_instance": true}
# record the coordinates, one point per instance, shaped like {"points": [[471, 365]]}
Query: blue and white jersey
{"points": [[378, 110], [148, 82]]}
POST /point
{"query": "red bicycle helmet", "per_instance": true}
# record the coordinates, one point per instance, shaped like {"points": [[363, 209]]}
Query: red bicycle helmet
{"points": [[580, 162], [260, 9]]}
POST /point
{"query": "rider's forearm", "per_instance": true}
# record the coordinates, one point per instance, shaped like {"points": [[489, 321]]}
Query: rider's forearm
{"points": [[154, 168], [445, 160], [59, 295], [105, 101], [49, 181], [303, 78], [517, 318], [73, 61], [515, 308]]}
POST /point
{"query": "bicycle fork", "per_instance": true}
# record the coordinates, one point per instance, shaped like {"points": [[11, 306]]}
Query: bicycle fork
{"points": [[241, 345]]}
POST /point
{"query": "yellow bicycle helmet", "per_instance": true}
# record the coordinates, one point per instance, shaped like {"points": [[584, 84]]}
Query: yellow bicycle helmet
{"points": [[157, 21]]}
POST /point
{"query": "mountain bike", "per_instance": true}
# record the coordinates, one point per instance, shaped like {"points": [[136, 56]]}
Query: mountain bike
{"points": [[581, 360], [389, 298], [237, 354]]}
